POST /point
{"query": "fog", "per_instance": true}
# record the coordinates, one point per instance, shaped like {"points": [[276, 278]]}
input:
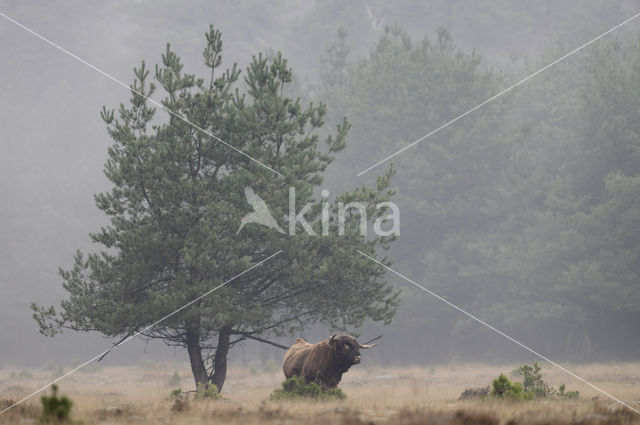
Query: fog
{"points": [[497, 210]]}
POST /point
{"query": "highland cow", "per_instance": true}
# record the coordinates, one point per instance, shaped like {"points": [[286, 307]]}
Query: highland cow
{"points": [[324, 362]]}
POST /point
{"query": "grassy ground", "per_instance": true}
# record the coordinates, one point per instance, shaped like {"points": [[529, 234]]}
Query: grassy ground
{"points": [[409, 396]]}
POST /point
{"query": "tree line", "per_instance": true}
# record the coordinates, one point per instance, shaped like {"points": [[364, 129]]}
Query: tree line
{"points": [[526, 212]]}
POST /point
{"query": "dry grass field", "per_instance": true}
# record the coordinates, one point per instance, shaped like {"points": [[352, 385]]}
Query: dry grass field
{"points": [[410, 396]]}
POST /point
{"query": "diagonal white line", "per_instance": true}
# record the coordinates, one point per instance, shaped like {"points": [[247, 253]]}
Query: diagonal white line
{"points": [[498, 331], [175, 114], [140, 332], [497, 95]]}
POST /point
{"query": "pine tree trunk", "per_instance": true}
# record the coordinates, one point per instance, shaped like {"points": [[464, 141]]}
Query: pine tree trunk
{"points": [[220, 362], [195, 355]]}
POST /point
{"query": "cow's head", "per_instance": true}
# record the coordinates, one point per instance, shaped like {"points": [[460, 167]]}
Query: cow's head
{"points": [[347, 348]]}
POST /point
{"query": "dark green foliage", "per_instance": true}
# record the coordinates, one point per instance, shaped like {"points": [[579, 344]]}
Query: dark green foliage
{"points": [[207, 392], [176, 393], [502, 387], [296, 388], [569, 394], [533, 382], [533, 385], [55, 409]]}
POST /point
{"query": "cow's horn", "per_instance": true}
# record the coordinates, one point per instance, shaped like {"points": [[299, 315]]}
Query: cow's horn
{"points": [[332, 337], [365, 346]]}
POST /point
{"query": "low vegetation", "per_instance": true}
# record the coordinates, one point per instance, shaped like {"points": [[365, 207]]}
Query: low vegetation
{"points": [[533, 382], [502, 387], [391, 396], [296, 388], [207, 392], [568, 394], [474, 393], [55, 409], [533, 386], [177, 393], [202, 392]]}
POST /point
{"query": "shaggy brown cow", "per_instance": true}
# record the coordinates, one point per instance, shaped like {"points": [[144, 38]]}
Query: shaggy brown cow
{"points": [[324, 362]]}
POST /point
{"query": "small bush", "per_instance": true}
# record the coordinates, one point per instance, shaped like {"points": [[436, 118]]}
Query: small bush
{"points": [[55, 409], [502, 387], [207, 392], [177, 393], [175, 380], [533, 386], [569, 394], [474, 393], [533, 382], [297, 388]]}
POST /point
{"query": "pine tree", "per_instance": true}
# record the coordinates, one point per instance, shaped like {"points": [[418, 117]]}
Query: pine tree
{"points": [[178, 198]]}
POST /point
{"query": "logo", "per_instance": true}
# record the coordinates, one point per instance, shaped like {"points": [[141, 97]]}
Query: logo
{"points": [[261, 215]]}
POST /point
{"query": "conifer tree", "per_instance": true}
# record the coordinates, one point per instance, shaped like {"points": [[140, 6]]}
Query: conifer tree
{"points": [[176, 204]]}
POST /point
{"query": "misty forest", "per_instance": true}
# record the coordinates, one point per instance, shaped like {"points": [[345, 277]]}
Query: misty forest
{"points": [[123, 205]]}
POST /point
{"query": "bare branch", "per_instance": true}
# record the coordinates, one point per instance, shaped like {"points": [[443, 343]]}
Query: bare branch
{"points": [[257, 338]]}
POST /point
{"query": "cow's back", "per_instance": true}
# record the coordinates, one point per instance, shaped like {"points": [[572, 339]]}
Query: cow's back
{"points": [[295, 358]]}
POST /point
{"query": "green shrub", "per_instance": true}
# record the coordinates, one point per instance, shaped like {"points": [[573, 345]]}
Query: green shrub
{"points": [[207, 392], [297, 388], [533, 386], [177, 393], [502, 387], [568, 394], [175, 380], [533, 382], [55, 409]]}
